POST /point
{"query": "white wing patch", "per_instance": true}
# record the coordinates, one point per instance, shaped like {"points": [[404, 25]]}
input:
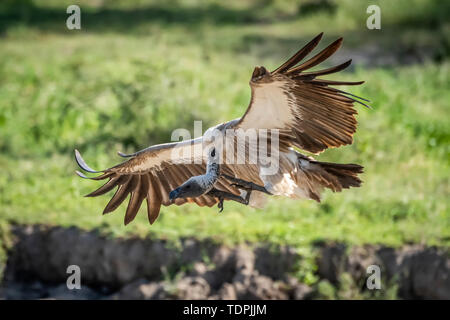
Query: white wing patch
{"points": [[271, 98]]}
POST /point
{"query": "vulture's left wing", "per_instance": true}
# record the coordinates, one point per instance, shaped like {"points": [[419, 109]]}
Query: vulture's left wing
{"points": [[317, 115], [151, 174]]}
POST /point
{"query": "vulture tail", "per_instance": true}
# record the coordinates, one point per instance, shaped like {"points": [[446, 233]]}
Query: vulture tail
{"points": [[334, 176], [345, 174]]}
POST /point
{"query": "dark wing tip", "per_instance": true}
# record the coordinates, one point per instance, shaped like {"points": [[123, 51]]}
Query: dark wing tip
{"points": [[153, 218], [82, 164], [107, 210], [81, 175], [317, 38], [318, 58], [125, 155], [353, 95], [299, 55], [127, 220], [337, 43]]}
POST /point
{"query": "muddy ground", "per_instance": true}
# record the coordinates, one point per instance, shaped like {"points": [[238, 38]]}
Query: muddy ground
{"points": [[114, 268]]}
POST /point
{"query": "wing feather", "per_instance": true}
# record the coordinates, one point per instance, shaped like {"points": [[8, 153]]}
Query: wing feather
{"points": [[118, 197], [153, 200], [139, 190], [303, 52], [318, 58], [150, 174]]}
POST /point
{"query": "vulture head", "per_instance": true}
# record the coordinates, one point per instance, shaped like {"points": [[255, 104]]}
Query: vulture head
{"points": [[189, 189], [198, 185]]}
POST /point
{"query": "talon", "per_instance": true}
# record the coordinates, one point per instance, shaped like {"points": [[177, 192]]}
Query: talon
{"points": [[220, 205], [248, 186]]}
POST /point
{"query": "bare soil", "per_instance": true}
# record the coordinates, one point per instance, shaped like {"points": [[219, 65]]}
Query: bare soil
{"points": [[113, 268]]}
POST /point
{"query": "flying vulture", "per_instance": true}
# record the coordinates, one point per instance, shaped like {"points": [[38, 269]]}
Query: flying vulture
{"points": [[291, 108]]}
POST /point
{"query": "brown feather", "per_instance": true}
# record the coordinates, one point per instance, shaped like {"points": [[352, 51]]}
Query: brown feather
{"points": [[137, 197], [133, 204], [113, 182], [318, 58], [118, 197], [103, 176], [313, 74], [336, 83], [153, 200], [164, 188], [296, 58]]}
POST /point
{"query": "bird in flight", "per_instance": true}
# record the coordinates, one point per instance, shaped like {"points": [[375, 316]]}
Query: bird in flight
{"points": [[290, 109]]}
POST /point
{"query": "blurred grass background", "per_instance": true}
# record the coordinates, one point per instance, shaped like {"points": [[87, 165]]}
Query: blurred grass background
{"points": [[139, 69]]}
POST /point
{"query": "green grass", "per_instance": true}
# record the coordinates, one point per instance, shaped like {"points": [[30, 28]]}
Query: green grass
{"points": [[126, 81]]}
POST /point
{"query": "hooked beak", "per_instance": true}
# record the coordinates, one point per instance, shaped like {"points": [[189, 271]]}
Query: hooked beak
{"points": [[174, 193]]}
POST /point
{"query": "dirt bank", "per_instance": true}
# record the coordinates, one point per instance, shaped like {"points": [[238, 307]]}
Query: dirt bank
{"points": [[201, 269]]}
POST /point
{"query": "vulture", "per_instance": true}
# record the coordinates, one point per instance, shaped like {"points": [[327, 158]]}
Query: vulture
{"points": [[255, 156]]}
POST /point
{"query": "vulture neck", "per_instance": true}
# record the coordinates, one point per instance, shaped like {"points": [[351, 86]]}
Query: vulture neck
{"points": [[213, 170], [211, 175]]}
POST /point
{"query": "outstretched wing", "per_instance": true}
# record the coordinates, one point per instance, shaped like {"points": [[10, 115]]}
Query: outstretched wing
{"points": [[318, 115], [151, 174]]}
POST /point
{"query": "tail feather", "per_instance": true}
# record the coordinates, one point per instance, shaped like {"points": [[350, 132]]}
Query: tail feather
{"points": [[334, 176], [346, 174]]}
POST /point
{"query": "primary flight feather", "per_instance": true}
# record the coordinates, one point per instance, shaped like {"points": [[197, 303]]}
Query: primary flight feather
{"points": [[294, 108]]}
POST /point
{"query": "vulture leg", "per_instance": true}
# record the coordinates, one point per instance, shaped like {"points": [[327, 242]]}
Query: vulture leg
{"points": [[246, 185], [223, 195]]}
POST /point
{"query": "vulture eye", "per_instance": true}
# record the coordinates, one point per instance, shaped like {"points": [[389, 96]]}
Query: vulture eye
{"points": [[213, 152], [188, 187]]}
